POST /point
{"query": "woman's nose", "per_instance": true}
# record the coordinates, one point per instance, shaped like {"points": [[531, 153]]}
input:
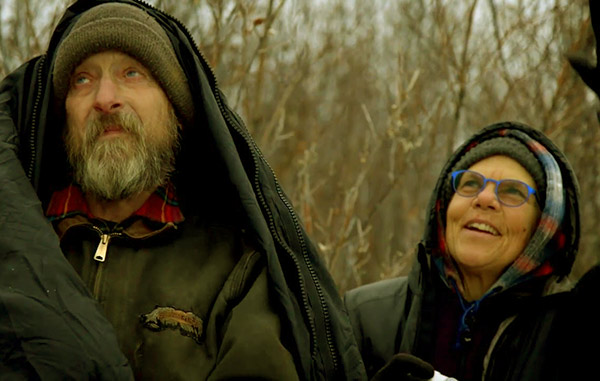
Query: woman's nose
{"points": [[487, 197]]}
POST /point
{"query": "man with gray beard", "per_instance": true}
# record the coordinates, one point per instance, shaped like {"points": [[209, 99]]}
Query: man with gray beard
{"points": [[120, 168], [158, 278], [166, 209]]}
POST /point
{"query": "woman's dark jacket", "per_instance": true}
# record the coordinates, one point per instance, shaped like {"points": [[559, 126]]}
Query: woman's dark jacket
{"points": [[522, 322], [220, 173]]}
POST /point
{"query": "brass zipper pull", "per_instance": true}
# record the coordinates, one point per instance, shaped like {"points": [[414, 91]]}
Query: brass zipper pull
{"points": [[100, 255]]}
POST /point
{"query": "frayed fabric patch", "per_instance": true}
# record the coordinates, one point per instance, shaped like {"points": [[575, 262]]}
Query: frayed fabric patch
{"points": [[162, 318]]}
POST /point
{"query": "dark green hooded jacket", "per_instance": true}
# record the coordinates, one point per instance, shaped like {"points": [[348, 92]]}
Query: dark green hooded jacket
{"points": [[521, 325], [220, 173]]}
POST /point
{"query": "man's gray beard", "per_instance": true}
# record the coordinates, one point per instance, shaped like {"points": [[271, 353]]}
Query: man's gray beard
{"points": [[120, 167]]}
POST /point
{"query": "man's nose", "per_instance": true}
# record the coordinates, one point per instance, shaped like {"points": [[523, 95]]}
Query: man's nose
{"points": [[107, 96], [487, 197]]}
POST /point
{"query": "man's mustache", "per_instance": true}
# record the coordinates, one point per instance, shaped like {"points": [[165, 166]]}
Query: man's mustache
{"points": [[128, 122]]}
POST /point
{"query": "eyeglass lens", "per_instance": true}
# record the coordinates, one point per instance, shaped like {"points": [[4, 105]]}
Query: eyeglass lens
{"points": [[509, 192]]}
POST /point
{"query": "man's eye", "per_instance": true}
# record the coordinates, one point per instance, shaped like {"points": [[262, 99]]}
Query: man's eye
{"points": [[132, 73], [81, 80]]}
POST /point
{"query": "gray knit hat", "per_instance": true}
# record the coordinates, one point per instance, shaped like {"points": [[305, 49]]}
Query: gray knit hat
{"points": [[128, 29], [510, 147]]}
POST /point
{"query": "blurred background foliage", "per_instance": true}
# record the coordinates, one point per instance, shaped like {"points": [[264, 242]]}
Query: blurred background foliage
{"points": [[357, 104]]}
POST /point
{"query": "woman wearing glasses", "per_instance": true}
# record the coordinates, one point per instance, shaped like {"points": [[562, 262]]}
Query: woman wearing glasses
{"points": [[486, 288]]}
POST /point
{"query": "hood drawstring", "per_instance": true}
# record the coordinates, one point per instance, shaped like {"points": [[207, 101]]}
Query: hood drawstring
{"points": [[468, 316]]}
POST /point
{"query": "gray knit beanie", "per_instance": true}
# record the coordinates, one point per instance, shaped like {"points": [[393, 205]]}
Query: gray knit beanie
{"points": [[128, 29], [510, 147]]}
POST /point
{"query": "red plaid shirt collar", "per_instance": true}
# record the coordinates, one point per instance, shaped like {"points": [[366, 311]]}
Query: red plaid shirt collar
{"points": [[161, 206]]}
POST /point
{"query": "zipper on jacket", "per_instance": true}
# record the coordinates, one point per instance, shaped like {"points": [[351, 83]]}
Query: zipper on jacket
{"points": [[102, 248], [98, 281], [34, 119], [312, 272], [270, 219], [326, 318], [306, 304], [100, 255]]}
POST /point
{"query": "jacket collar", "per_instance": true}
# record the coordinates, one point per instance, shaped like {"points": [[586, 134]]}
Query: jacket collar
{"points": [[162, 205]]}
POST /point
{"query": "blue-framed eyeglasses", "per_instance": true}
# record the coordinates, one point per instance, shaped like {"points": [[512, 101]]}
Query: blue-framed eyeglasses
{"points": [[509, 192]]}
